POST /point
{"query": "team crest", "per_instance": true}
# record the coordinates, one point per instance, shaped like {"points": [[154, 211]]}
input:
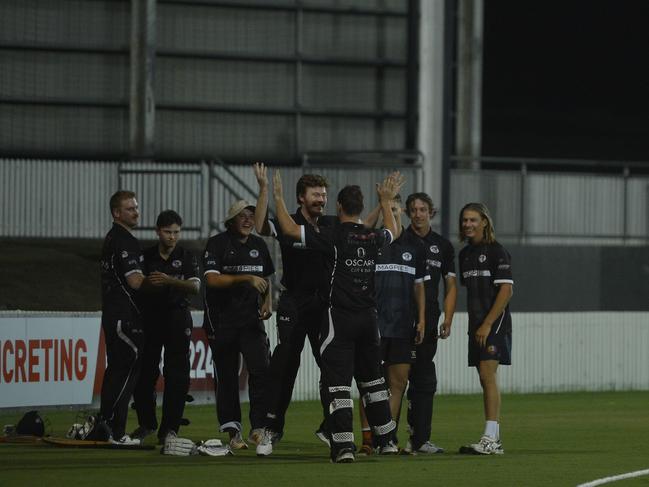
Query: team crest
{"points": [[176, 263], [124, 254], [207, 254], [407, 256], [188, 332], [482, 258], [492, 350], [254, 253], [360, 251], [434, 249]]}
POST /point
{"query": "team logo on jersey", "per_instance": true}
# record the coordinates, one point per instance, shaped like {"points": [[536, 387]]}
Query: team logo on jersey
{"points": [[434, 249], [177, 264], [360, 251], [188, 332], [141, 258], [254, 253], [407, 256], [124, 254], [482, 257], [492, 350], [207, 254]]}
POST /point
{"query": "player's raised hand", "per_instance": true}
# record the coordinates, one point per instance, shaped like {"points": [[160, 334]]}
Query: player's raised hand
{"points": [[278, 190], [397, 179], [390, 186], [259, 169]]}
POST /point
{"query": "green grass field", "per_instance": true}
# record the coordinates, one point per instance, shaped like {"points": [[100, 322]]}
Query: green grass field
{"points": [[550, 439]]}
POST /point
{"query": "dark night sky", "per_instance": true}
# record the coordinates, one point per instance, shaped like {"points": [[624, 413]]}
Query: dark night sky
{"points": [[566, 79]]}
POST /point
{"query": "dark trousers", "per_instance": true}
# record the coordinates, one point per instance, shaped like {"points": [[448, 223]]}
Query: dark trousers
{"points": [[298, 317], [351, 348], [171, 330], [421, 390], [227, 343], [124, 338]]}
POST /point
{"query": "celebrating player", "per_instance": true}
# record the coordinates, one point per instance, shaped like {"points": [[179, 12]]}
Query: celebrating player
{"points": [[423, 376], [485, 270], [303, 303], [350, 340], [236, 269]]}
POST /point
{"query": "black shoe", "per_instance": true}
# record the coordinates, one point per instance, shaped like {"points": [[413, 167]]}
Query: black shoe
{"points": [[345, 455]]}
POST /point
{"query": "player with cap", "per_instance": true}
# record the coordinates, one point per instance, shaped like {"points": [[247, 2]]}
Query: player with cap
{"points": [[236, 267]]}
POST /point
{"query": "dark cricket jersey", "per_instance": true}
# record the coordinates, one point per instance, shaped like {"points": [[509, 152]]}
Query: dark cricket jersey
{"points": [[236, 305], [483, 268], [440, 263], [351, 252], [120, 257], [303, 268], [181, 264], [398, 267]]}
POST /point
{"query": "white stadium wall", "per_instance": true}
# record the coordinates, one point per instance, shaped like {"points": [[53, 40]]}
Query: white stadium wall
{"points": [[57, 358]]}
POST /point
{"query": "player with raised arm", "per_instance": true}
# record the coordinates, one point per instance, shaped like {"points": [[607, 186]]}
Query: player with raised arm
{"points": [[350, 340], [303, 302], [485, 270], [401, 302]]}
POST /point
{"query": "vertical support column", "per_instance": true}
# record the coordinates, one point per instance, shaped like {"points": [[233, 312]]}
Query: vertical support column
{"points": [[470, 36], [142, 101], [412, 80], [297, 89], [431, 95]]}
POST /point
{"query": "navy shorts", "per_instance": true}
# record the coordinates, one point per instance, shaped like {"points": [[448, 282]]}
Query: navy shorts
{"points": [[499, 347], [397, 351]]}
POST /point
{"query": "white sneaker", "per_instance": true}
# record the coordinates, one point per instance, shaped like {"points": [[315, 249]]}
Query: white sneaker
{"points": [[429, 447], [127, 440], [265, 445], [388, 449], [486, 446], [256, 435]]}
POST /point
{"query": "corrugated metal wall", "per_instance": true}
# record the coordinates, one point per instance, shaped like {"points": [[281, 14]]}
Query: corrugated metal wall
{"points": [[46, 198], [557, 208]]}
